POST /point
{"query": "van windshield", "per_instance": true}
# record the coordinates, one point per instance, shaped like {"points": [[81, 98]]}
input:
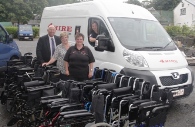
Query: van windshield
{"points": [[25, 28], [142, 35]]}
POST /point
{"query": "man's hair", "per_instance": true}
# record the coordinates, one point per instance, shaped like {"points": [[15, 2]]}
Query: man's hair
{"points": [[79, 35], [51, 26], [64, 34]]}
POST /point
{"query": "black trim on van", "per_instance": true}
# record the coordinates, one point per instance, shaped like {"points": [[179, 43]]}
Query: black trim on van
{"points": [[146, 75]]}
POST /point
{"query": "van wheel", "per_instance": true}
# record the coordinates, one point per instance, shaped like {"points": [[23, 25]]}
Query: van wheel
{"points": [[32, 39], [19, 39], [14, 57]]}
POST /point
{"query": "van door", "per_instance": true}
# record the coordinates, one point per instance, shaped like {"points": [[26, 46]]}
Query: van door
{"points": [[106, 54], [8, 48], [3, 46]]}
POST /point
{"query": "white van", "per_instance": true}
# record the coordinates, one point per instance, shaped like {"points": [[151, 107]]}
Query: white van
{"points": [[131, 41]]}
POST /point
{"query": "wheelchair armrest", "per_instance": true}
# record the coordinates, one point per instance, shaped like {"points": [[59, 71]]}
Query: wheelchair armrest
{"points": [[50, 97], [61, 101], [45, 87], [71, 107], [26, 69], [131, 97], [102, 91], [69, 116], [33, 84], [37, 78], [73, 112]]}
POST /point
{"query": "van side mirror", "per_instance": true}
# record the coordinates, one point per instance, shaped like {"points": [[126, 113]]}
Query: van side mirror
{"points": [[101, 43], [10, 38]]}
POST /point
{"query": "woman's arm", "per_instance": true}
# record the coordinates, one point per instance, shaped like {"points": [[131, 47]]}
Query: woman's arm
{"points": [[66, 68], [52, 60], [90, 70], [91, 39]]}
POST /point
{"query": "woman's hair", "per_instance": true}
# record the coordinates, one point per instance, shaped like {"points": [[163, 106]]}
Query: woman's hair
{"points": [[63, 34], [95, 23], [79, 35]]}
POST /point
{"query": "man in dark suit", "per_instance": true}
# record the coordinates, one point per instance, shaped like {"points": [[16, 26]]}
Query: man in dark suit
{"points": [[46, 45]]}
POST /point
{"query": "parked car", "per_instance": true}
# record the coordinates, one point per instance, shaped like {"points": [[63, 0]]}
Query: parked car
{"points": [[25, 32], [8, 48]]}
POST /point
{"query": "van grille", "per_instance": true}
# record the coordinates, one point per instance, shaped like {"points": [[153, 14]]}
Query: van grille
{"points": [[168, 80]]}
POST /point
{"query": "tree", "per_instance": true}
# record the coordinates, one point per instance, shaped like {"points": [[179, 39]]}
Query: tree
{"points": [[61, 2], [37, 6], [15, 10], [136, 2], [165, 4], [24, 10]]}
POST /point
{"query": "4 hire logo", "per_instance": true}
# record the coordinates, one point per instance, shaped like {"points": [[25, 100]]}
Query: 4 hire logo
{"points": [[168, 61]]}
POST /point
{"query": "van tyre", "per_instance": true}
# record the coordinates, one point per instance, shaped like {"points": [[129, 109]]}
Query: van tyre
{"points": [[14, 57]]}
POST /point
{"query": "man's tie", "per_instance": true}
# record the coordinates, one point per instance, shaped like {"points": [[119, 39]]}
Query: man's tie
{"points": [[52, 46]]}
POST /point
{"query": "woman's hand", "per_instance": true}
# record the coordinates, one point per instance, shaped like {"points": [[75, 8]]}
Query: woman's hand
{"points": [[44, 64], [90, 74], [67, 73]]}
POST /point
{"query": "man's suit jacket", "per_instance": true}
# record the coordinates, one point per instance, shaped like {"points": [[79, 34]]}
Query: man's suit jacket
{"points": [[43, 51]]}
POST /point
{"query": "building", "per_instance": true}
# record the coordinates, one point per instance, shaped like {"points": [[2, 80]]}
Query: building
{"points": [[184, 13]]}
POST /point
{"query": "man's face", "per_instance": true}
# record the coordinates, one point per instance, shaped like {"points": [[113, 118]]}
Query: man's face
{"points": [[51, 30]]}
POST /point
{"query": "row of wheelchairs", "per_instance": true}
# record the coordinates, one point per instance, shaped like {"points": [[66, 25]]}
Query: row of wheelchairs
{"points": [[35, 96]]}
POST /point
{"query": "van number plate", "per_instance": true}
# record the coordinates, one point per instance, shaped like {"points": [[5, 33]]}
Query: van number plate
{"points": [[26, 37], [178, 92]]}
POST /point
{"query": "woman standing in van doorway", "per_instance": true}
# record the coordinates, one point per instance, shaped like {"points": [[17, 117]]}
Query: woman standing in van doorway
{"points": [[79, 60], [59, 54], [94, 33]]}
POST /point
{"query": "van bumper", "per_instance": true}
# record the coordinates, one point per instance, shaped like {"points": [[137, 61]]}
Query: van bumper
{"points": [[187, 91], [149, 76], [25, 37]]}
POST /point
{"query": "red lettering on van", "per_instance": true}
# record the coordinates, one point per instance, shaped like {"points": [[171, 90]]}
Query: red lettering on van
{"points": [[168, 61], [69, 28], [59, 28], [62, 28], [56, 27]]}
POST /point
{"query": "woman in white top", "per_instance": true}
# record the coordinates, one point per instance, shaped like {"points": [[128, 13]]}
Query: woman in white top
{"points": [[59, 54]]}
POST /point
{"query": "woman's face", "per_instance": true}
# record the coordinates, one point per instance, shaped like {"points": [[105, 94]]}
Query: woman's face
{"points": [[94, 26], [64, 39], [79, 40]]}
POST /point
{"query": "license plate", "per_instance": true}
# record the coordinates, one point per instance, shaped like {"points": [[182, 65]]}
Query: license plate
{"points": [[179, 92], [26, 37]]}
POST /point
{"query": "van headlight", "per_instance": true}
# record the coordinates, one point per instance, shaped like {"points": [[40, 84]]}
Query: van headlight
{"points": [[135, 59], [31, 34], [21, 34]]}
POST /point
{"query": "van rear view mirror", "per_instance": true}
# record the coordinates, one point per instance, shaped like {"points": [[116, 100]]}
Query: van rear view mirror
{"points": [[101, 43], [10, 38]]}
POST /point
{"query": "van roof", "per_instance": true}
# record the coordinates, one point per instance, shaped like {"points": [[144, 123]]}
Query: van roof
{"points": [[107, 8]]}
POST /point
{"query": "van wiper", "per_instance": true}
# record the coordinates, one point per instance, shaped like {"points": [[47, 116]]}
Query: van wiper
{"points": [[166, 45], [147, 48]]}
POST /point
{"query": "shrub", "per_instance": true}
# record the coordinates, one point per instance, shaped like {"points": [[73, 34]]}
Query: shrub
{"points": [[36, 31], [14, 30], [181, 31]]}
